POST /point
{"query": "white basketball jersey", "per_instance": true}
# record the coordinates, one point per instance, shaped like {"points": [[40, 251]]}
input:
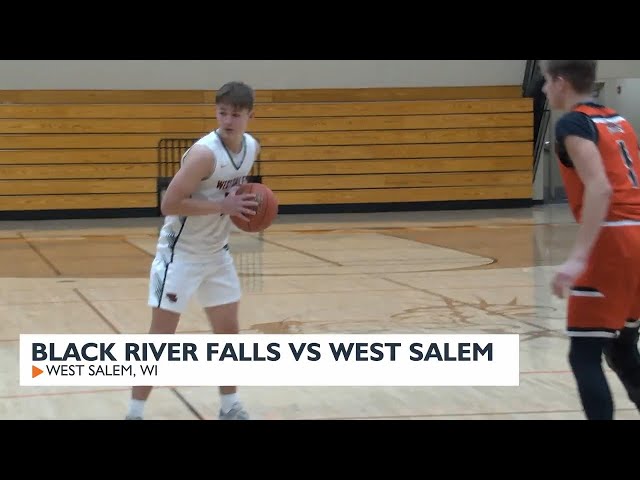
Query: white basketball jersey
{"points": [[194, 238]]}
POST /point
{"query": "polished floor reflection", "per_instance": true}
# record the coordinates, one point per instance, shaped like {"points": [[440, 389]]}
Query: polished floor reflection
{"points": [[425, 272]]}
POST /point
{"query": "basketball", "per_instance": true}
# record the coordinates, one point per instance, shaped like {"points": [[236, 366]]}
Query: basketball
{"points": [[266, 211]]}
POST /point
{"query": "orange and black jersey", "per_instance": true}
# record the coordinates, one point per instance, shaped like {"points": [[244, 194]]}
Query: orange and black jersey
{"points": [[618, 145]]}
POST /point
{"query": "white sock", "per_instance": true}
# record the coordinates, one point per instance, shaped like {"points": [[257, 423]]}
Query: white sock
{"points": [[136, 408], [228, 400]]}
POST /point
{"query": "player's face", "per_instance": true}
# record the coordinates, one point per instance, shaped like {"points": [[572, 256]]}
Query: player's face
{"points": [[553, 90], [232, 121]]}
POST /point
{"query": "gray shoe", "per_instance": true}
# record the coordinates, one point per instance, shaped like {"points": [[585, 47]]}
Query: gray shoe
{"points": [[237, 412], [129, 417]]}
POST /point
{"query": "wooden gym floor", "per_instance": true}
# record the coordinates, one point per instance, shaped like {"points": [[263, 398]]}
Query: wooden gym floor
{"points": [[438, 272]]}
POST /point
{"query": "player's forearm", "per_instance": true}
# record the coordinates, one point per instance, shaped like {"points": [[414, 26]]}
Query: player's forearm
{"points": [[192, 207], [594, 212]]}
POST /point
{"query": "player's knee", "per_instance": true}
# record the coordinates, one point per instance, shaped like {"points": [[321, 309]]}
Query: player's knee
{"points": [[585, 353], [585, 357], [164, 321], [224, 318], [624, 358]]}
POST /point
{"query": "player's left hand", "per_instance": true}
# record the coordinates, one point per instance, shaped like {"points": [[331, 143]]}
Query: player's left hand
{"points": [[566, 275]]}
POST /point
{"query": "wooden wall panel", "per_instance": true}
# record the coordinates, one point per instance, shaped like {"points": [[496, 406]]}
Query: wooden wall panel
{"points": [[89, 149]]}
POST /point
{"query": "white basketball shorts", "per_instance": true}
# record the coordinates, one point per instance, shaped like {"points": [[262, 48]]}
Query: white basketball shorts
{"points": [[173, 285]]}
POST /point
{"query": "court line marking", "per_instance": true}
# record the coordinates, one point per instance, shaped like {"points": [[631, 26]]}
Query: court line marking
{"points": [[41, 255]]}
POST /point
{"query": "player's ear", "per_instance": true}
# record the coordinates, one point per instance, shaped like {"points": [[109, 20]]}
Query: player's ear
{"points": [[563, 81]]}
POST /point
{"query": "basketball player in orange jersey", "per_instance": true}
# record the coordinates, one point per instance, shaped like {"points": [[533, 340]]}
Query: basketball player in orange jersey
{"points": [[192, 256], [597, 150]]}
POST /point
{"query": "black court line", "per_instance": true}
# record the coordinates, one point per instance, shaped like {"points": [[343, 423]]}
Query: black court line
{"points": [[96, 311], [41, 255], [302, 252], [126, 240], [186, 403]]}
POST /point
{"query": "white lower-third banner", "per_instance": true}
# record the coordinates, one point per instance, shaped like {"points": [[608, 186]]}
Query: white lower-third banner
{"points": [[270, 360]]}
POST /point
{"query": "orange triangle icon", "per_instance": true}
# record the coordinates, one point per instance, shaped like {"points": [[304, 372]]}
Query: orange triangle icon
{"points": [[35, 371]]}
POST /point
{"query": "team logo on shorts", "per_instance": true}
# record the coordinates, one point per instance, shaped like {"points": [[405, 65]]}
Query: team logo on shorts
{"points": [[172, 297]]}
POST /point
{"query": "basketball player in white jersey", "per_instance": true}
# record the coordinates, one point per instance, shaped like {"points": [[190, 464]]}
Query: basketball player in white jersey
{"points": [[192, 256]]}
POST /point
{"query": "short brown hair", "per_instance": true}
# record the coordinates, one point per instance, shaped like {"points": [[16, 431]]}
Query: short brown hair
{"points": [[236, 94], [581, 74]]}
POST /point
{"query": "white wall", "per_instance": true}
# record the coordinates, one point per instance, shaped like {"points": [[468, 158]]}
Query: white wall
{"points": [[262, 74], [627, 101], [618, 69], [266, 74], [625, 76]]}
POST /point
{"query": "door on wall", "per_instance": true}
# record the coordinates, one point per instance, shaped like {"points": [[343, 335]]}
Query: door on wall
{"points": [[554, 191]]}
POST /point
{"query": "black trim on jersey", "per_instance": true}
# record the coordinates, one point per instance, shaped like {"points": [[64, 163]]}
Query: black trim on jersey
{"points": [[577, 124], [578, 288], [244, 149]]}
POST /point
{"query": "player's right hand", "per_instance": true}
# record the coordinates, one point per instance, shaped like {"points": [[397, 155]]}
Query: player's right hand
{"points": [[240, 205]]}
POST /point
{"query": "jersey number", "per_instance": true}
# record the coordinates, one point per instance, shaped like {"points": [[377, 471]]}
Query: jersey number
{"points": [[628, 163]]}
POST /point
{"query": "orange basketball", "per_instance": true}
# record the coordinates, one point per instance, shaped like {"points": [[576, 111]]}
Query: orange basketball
{"points": [[266, 211]]}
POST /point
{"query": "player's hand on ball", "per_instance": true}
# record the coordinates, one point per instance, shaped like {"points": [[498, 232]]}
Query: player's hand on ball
{"points": [[239, 206]]}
